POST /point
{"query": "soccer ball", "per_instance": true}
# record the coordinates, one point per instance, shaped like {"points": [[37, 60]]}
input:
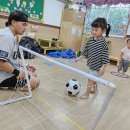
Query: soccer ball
{"points": [[73, 87]]}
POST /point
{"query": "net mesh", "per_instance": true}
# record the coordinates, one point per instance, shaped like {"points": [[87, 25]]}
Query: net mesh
{"points": [[50, 106]]}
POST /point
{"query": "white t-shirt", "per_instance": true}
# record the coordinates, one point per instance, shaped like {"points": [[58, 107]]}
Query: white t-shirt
{"points": [[126, 53], [8, 51]]}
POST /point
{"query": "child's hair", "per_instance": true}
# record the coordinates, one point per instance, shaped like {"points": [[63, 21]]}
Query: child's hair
{"points": [[99, 22], [17, 16], [128, 40]]}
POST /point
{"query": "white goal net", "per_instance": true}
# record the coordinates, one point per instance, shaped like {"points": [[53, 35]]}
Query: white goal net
{"points": [[71, 111]]}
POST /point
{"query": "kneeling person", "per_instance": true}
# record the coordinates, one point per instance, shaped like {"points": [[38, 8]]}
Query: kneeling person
{"points": [[10, 74]]}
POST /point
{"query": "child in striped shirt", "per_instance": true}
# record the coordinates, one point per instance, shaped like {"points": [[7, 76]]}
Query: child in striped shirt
{"points": [[96, 52]]}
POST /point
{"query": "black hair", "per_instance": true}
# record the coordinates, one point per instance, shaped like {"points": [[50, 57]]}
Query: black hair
{"points": [[17, 16], [99, 22], [128, 40]]}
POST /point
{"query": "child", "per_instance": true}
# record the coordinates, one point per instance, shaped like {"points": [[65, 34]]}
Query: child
{"points": [[124, 58], [96, 51], [10, 74]]}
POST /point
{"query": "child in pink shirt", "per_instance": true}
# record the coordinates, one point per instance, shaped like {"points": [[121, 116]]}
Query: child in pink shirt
{"points": [[124, 58]]}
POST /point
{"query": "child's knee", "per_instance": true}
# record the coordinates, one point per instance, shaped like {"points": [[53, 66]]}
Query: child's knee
{"points": [[35, 83]]}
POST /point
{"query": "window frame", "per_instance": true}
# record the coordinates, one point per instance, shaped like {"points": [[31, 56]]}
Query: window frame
{"points": [[107, 11]]}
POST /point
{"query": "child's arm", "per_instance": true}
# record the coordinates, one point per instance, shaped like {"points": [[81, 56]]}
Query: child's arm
{"points": [[105, 59], [84, 53], [120, 56]]}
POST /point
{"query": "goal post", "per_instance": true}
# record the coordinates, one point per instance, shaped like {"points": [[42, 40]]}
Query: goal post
{"points": [[105, 83], [20, 96], [107, 91]]}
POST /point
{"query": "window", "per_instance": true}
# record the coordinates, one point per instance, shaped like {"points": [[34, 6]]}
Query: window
{"points": [[116, 15]]}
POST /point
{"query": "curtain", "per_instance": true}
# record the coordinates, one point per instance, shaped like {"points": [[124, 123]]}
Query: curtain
{"points": [[102, 2]]}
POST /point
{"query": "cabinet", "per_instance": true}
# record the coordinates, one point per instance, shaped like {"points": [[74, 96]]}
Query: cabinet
{"points": [[71, 29]]}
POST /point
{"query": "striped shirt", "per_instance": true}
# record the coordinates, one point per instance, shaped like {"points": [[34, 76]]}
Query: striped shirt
{"points": [[96, 51]]}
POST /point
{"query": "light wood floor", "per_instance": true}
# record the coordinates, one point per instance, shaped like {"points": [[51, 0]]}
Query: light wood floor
{"points": [[51, 108]]}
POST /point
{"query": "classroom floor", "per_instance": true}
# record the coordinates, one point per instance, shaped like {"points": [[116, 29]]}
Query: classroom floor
{"points": [[51, 108]]}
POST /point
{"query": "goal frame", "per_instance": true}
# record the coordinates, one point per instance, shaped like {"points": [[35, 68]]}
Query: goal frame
{"points": [[105, 83]]}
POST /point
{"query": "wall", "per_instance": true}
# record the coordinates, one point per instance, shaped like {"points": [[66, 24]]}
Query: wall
{"points": [[53, 12], [48, 32], [3, 20], [52, 16], [43, 30]]}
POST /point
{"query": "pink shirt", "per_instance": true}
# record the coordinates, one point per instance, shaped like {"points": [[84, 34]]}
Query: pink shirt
{"points": [[126, 53]]}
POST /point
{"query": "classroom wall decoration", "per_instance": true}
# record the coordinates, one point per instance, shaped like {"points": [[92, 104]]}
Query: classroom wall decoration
{"points": [[34, 8]]}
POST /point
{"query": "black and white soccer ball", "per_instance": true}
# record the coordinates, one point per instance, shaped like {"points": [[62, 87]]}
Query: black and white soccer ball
{"points": [[73, 87]]}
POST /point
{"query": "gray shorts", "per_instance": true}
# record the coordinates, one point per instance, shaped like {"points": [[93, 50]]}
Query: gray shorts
{"points": [[93, 72], [124, 64]]}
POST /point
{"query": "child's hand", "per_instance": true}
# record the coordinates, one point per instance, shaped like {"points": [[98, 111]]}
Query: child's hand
{"points": [[31, 68], [21, 76], [77, 59], [102, 70]]}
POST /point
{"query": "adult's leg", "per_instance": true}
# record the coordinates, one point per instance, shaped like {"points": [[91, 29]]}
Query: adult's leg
{"points": [[10, 82], [34, 83]]}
